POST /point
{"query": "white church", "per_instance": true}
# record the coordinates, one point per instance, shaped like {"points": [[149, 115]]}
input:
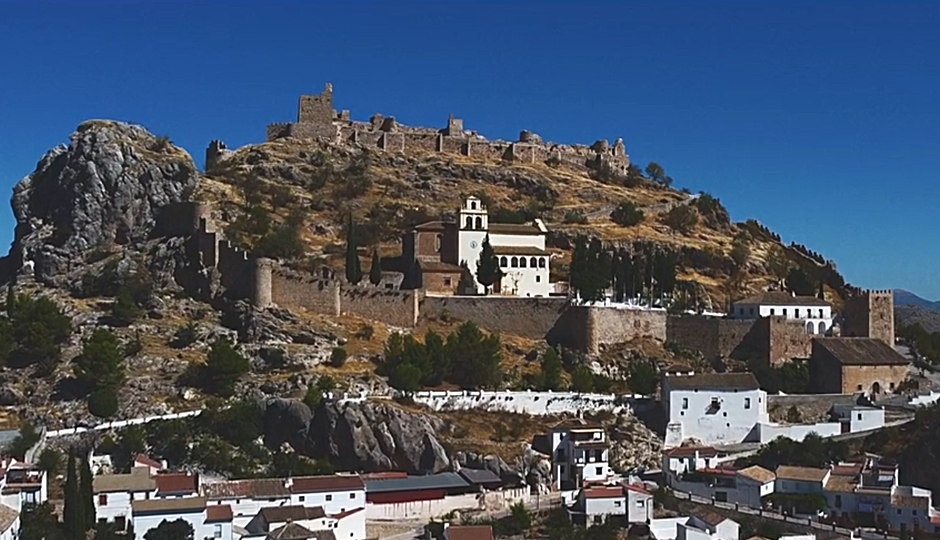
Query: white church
{"points": [[439, 248]]}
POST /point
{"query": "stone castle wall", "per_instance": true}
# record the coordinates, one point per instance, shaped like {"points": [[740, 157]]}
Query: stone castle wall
{"points": [[588, 328], [530, 317], [772, 340], [870, 314], [317, 119]]}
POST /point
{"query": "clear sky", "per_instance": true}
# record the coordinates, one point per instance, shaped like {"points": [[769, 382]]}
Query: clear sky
{"points": [[821, 120]]}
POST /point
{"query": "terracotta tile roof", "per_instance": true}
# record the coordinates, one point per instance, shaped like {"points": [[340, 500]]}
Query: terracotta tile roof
{"points": [[283, 514], [383, 475], [806, 474], [439, 267], [262, 488], [337, 482], [144, 459], [294, 531], [758, 474], [841, 484], [709, 517], [860, 351], [156, 506], [138, 480], [780, 298], [716, 381], [170, 483], [847, 469], [605, 492], [689, 451], [343, 515], [520, 250], [636, 488], [218, 513], [514, 228], [469, 532], [7, 517]]}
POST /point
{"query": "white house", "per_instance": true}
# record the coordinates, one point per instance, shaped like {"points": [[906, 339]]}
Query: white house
{"points": [[712, 408], [815, 314], [753, 483], [115, 493], [806, 480], [299, 521], [630, 502], [681, 459], [207, 521], [247, 497], [23, 484], [337, 493], [580, 454], [143, 460], [705, 526], [520, 249]]}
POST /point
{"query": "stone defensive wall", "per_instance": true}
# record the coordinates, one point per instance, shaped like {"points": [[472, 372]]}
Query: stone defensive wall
{"points": [[769, 339], [528, 317], [587, 328]]}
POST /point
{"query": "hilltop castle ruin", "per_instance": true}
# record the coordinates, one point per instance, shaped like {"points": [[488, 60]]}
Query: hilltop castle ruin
{"points": [[317, 119]]}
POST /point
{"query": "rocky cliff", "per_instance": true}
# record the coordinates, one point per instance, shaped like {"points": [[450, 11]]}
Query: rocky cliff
{"points": [[105, 188]]}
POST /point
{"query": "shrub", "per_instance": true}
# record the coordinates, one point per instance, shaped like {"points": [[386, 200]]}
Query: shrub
{"points": [[338, 357], [575, 217], [627, 214], [224, 366], [33, 332], [682, 218], [365, 332], [185, 335], [553, 161], [124, 309], [103, 403]]}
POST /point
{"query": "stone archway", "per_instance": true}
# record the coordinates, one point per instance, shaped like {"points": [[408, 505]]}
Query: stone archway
{"points": [[822, 328], [810, 327], [876, 389]]}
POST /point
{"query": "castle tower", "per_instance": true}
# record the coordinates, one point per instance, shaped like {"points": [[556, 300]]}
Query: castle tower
{"points": [[261, 296], [214, 152], [317, 109], [473, 222], [870, 314]]}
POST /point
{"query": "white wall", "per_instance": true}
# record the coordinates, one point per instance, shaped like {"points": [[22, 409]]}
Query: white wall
{"points": [[639, 507], [743, 311], [730, 424], [525, 402], [439, 507], [526, 281], [666, 528], [334, 502], [797, 432], [244, 510], [784, 485], [597, 510], [197, 519]]}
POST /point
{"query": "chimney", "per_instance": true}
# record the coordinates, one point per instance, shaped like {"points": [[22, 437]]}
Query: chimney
{"points": [[289, 482]]}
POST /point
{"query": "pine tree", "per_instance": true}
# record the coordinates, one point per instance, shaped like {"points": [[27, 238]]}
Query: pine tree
{"points": [[11, 300], [488, 270], [74, 514], [551, 369], [821, 294], [85, 490], [101, 364], [466, 285], [353, 268], [375, 273]]}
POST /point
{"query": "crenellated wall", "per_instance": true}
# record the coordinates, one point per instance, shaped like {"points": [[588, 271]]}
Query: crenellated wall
{"points": [[318, 120]]}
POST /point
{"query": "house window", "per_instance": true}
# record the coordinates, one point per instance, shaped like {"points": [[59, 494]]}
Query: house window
{"points": [[891, 386], [740, 311], [859, 416], [301, 498], [541, 262], [617, 504], [473, 205], [752, 311], [796, 312], [103, 499], [771, 311], [514, 262], [503, 262], [639, 503], [859, 388], [598, 471], [533, 263], [784, 312], [820, 314], [747, 403], [521, 262], [469, 223], [121, 522], [598, 520], [217, 531], [447, 282], [329, 497], [838, 501], [538, 279], [352, 495], [685, 403], [899, 511], [439, 242], [480, 223], [721, 496]]}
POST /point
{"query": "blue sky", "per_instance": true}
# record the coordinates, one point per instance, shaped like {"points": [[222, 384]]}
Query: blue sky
{"points": [[822, 120]]}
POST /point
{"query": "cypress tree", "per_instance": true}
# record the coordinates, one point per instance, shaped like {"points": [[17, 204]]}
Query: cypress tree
{"points": [[73, 514], [87, 497], [375, 273], [488, 270], [353, 269], [822, 293], [11, 300]]}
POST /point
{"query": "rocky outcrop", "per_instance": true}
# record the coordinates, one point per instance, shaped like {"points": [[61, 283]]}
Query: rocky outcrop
{"points": [[363, 436], [105, 188]]}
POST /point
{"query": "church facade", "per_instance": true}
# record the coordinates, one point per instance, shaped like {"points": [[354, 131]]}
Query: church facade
{"points": [[442, 256]]}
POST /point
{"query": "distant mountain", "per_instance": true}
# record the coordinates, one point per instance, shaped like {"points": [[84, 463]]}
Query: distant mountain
{"points": [[907, 298]]}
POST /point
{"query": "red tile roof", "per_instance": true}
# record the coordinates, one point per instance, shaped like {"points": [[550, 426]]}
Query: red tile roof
{"points": [[684, 451], [347, 513], [313, 484], [606, 492], [144, 459], [176, 483], [218, 512], [469, 532], [637, 488], [259, 488]]}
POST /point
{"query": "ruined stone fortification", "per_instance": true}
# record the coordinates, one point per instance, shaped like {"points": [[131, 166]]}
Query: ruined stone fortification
{"points": [[772, 340], [317, 119]]}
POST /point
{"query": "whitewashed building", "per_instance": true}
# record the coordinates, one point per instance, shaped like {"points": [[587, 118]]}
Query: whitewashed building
{"points": [[814, 313], [712, 408], [628, 502], [207, 521], [580, 455], [702, 526], [681, 459], [114, 494]]}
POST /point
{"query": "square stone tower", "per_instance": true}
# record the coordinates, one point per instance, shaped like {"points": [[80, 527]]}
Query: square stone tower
{"points": [[870, 314]]}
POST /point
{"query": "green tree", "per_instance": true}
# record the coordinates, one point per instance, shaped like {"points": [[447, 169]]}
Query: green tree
{"points": [[655, 171], [406, 378], [799, 283], [582, 379], [475, 358], [87, 494], [740, 253], [488, 270], [682, 218], [282, 241], [627, 214], [224, 366], [124, 309], [551, 370], [643, 377], [101, 364], [11, 300], [103, 402], [316, 392], [38, 329], [821, 292], [50, 460], [438, 361], [178, 529], [338, 357], [518, 522], [353, 268], [39, 522], [74, 513], [375, 272]]}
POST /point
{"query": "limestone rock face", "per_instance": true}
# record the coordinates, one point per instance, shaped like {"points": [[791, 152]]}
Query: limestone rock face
{"points": [[106, 187], [367, 436]]}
